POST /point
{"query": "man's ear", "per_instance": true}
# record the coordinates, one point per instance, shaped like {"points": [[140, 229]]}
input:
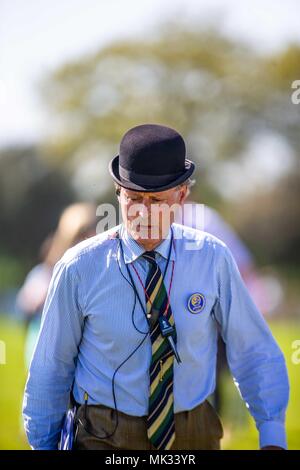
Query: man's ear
{"points": [[183, 194]]}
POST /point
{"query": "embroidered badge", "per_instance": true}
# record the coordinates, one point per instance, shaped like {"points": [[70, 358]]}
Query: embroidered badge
{"points": [[196, 303]]}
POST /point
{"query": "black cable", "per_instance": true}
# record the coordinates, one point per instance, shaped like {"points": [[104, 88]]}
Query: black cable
{"points": [[136, 295], [132, 281], [86, 426]]}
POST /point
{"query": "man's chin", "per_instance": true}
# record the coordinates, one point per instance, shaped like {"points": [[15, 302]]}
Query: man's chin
{"points": [[148, 232]]}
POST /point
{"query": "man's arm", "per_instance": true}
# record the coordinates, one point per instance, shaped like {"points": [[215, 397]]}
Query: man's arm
{"points": [[53, 364], [255, 360]]}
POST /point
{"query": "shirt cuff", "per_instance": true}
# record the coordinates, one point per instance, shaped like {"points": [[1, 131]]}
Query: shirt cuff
{"points": [[44, 448], [272, 433]]}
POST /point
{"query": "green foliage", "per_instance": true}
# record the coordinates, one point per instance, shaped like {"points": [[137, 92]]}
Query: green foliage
{"points": [[283, 69], [217, 92], [240, 431], [32, 195], [220, 94], [12, 379], [12, 272], [270, 222]]}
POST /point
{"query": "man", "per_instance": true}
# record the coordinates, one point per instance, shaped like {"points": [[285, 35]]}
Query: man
{"points": [[131, 320]]}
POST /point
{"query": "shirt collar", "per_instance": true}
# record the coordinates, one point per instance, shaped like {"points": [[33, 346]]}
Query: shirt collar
{"points": [[133, 250]]}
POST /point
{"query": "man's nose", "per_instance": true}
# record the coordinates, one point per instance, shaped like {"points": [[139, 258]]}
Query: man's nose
{"points": [[144, 208]]}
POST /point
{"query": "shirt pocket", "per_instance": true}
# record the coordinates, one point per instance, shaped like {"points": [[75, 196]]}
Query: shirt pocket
{"points": [[195, 330]]}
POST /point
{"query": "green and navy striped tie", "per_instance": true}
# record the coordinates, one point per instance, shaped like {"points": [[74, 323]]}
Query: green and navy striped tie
{"points": [[160, 420]]}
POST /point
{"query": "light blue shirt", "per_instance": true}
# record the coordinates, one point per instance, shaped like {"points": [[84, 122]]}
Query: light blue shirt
{"points": [[87, 332]]}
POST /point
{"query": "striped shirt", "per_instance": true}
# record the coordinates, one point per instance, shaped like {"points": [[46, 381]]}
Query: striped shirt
{"points": [[92, 321]]}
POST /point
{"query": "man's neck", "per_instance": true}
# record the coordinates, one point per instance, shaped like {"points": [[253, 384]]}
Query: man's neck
{"points": [[149, 245]]}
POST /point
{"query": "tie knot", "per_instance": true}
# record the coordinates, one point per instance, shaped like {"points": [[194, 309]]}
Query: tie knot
{"points": [[150, 256]]}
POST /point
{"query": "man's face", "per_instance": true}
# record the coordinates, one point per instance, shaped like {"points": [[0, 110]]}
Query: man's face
{"points": [[148, 216]]}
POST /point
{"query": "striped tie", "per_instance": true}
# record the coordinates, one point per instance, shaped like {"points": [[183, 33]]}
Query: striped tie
{"points": [[160, 420]]}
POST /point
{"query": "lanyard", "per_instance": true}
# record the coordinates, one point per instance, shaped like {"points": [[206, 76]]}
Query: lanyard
{"points": [[167, 330], [132, 281]]}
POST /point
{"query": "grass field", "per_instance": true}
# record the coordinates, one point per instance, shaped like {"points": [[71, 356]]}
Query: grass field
{"points": [[240, 431]]}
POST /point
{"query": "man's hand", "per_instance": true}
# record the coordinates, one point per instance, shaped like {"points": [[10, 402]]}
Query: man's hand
{"points": [[272, 448]]}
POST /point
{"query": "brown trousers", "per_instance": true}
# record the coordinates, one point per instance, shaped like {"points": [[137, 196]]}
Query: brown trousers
{"points": [[196, 429]]}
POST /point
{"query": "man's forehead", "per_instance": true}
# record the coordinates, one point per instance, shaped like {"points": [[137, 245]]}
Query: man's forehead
{"points": [[130, 192]]}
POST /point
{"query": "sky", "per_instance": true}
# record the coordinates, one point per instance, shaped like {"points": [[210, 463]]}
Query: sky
{"points": [[37, 36]]}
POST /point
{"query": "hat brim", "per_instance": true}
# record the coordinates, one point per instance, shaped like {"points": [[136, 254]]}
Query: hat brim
{"points": [[114, 171]]}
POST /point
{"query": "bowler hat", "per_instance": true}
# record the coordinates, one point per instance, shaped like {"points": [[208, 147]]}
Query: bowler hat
{"points": [[151, 158]]}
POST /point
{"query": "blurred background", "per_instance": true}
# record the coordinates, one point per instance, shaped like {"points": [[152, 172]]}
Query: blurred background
{"points": [[75, 75]]}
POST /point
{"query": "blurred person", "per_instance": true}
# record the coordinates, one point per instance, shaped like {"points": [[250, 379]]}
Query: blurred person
{"points": [[76, 223], [203, 217], [130, 324]]}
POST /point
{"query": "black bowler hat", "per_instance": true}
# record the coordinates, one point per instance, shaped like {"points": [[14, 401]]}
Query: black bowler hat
{"points": [[151, 158]]}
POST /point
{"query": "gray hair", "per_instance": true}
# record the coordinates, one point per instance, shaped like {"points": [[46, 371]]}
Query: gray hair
{"points": [[189, 183]]}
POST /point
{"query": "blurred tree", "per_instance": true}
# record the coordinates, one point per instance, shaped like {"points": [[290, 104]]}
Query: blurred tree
{"points": [[32, 196], [220, 94], [270, 222], [194, 81]]}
